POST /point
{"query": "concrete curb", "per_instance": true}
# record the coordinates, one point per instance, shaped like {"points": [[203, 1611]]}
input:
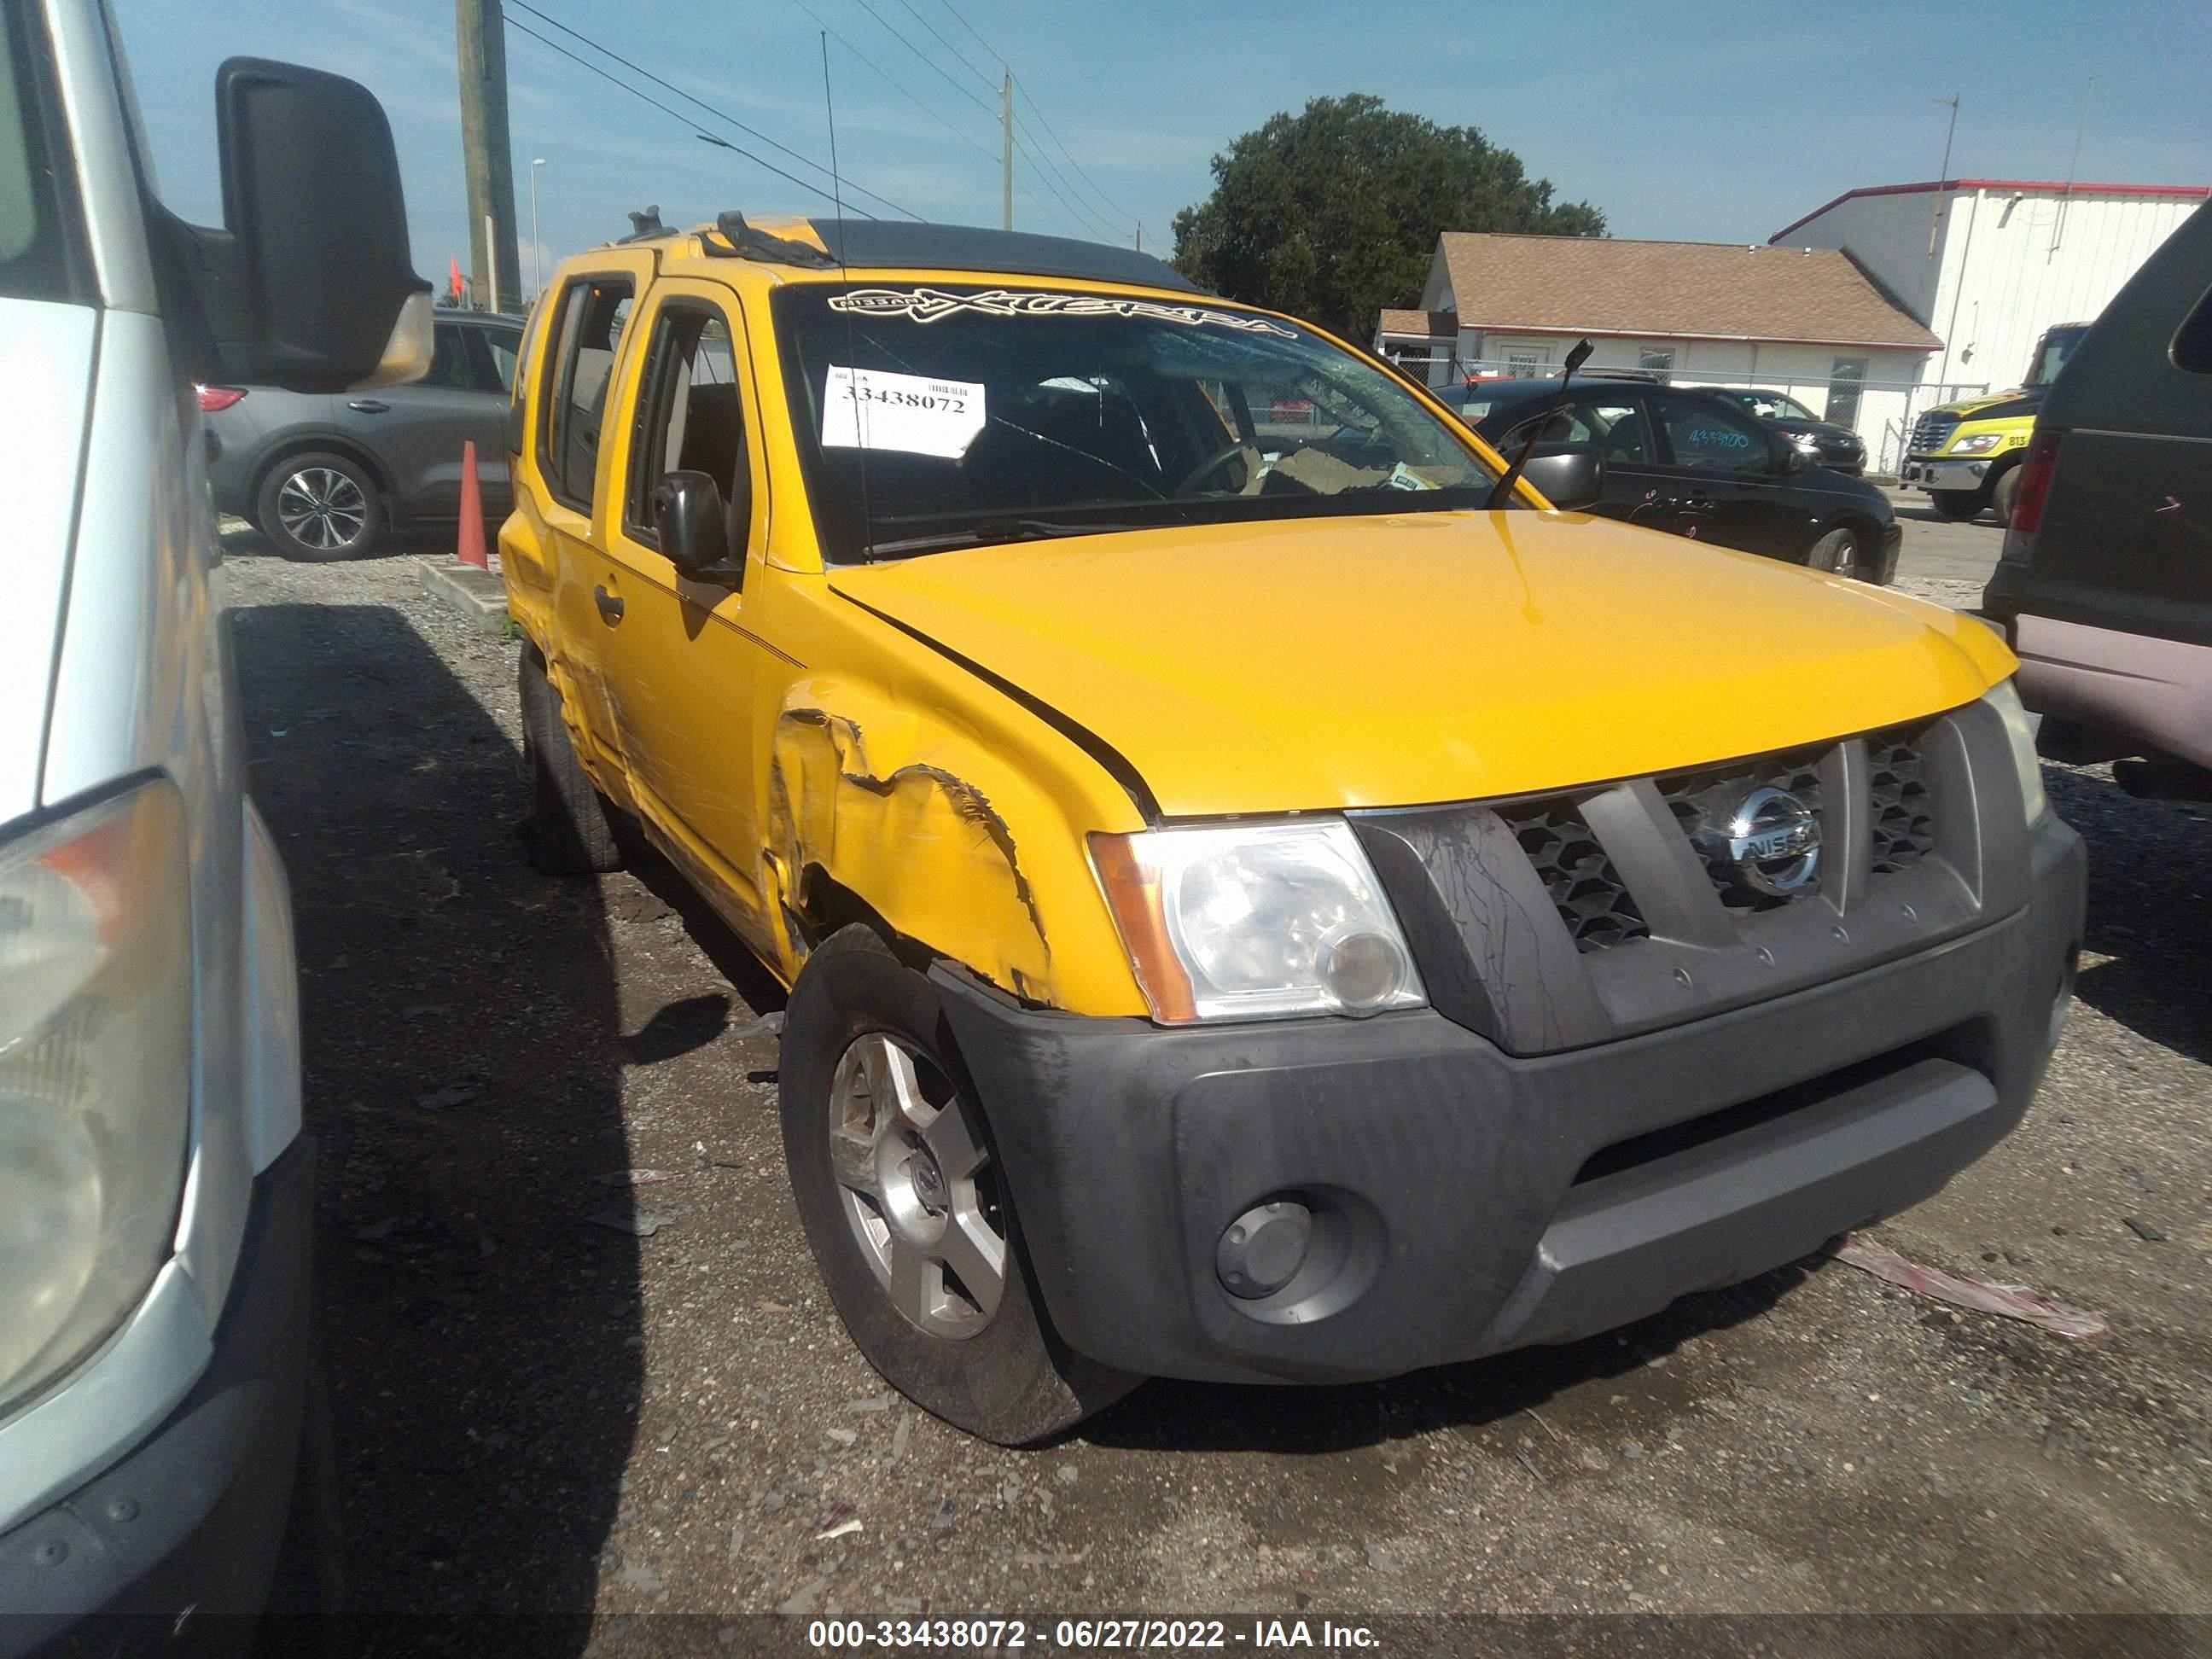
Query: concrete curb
{"points": [[475, 593]]}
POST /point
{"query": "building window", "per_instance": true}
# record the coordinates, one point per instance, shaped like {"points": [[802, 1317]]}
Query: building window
{"points": [[1528, 362], [1657, 360], [1843, 378]]}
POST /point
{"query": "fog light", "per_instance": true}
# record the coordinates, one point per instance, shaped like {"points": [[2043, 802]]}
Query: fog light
{"points": [[1264, 1248]]}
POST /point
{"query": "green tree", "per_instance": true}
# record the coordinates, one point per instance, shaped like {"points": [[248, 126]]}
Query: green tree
{"points": [[1334, 213]]}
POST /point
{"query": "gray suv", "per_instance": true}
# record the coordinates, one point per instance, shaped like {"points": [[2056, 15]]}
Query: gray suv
{"points": [[324, 476]]}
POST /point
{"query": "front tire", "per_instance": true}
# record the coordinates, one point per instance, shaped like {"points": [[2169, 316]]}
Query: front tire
{"points": [[319, 507], [905, 1206], [1837, 553], [1958, 503]]}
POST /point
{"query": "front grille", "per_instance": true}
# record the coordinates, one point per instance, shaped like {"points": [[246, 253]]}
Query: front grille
{"points": [[1897, 797], [1704, 801], [1585, 889], [1932, 431]]}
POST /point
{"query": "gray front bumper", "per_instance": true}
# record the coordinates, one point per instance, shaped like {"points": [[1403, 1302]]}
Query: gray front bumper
{"points": [[1483, 1199]]}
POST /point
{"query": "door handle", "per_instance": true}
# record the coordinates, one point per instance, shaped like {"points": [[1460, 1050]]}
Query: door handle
{"points": [[611, 608], [370, 406]]}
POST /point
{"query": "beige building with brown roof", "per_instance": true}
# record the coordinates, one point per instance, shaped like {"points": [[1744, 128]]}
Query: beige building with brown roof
{"points": [[1807, 321]]}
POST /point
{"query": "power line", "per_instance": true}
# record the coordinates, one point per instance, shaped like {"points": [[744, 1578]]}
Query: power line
{"points": [[1112, 207], [1108, 201], [894, 84], [1036, 153], [980, 40], [724, 115], [957, 54], [1042, 205], [944, 73]]}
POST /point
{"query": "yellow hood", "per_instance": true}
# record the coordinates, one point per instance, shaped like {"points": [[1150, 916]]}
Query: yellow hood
{"points": [[1393, 661]]}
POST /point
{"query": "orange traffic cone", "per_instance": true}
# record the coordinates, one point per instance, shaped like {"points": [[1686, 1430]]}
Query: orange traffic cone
{"points": [[472, 548]]}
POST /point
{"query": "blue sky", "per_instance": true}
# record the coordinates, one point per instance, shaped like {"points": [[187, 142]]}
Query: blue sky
{"points": [[1706, 123]]}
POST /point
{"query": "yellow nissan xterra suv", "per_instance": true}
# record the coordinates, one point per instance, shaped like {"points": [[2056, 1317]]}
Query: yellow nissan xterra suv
{"points": [[1250, 911]]}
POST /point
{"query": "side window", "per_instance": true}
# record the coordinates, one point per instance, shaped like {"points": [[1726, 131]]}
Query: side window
{"points": [[492, 354], [1619, 431], [449, 360], [1712, 439], [592, 312], [690, 417]]}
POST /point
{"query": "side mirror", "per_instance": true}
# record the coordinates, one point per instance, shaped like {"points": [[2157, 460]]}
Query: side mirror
{"points": [[309, 286], [693, 526], [1794, 459], [1570, 477]]}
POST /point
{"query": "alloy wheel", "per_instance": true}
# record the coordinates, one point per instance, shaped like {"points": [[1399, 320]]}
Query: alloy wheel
{"points": [[320, 508], [917, 1185]]}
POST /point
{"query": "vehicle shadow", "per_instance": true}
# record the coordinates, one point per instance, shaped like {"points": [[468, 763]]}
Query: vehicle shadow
{"points": [[464, 1054], [1217, 1416], [2148, 864]]}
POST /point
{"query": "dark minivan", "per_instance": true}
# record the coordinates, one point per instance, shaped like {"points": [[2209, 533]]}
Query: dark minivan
{"points": [[1689, 462], [2105, 586]]}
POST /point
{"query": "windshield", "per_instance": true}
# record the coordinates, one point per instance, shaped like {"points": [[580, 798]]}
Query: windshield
{"points": [[2051, 351], [991, 415]]}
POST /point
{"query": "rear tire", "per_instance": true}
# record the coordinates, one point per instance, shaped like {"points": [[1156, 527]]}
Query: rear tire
{"points": [[569, 824], [319, 507], [1958, 503], [874, 1093], [2001, 494]]}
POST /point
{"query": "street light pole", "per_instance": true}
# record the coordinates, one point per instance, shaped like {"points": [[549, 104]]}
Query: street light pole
{"points": [[536, 247]]}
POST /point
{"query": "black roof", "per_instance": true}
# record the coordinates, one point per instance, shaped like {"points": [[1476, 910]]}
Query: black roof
{"points": [[1014, 253]]}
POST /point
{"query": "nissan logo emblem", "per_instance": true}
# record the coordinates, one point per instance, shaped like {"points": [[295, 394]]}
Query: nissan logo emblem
{"points": [[1774, 843]]}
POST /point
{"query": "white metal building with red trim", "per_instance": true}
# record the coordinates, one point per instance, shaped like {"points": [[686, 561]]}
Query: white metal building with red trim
{"points": [[1989, 264]]}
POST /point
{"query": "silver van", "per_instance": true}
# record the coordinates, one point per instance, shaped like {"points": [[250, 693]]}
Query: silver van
{"points": [[155, 1188]]}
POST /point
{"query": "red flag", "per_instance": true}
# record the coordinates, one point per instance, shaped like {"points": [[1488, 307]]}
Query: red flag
{"points": [[453, 289]]}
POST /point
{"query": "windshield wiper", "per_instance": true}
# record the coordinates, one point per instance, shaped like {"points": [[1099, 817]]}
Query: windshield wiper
{"points": [[990, 531]]}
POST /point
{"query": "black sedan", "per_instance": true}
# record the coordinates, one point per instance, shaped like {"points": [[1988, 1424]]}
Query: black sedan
{"points": [[1835, 447], [1687, 461]]}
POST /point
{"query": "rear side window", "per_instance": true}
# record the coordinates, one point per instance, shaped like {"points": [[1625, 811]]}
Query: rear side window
{"points": [[1712, 439], [39, 241], [594, 311]]}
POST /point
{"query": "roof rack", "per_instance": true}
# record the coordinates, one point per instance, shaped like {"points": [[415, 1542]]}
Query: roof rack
{"points": [[741, 241]]}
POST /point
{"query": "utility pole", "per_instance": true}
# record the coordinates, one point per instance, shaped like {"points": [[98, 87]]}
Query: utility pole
{"points": [[1943, 173], [485, 156], [1006, 172]]}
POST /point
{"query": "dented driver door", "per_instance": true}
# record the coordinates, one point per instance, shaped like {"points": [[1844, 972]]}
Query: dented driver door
{"points": [[685, 669]]}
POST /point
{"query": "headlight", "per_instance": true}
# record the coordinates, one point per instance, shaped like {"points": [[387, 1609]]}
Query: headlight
{"points": [[2020, 732], [1807, 441], [95, 1058], [1980, 444], [1254, 920]]}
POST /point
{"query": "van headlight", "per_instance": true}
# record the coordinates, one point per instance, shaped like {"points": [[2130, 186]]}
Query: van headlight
{"points": [[2020, 732], [95, 1070], [1256, 921]]}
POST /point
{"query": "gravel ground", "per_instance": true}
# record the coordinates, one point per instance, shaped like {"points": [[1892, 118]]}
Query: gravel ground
{"points": [[539, 1412]]}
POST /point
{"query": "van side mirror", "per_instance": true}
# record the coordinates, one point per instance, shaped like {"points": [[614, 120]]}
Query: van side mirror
{"points": [[309, 285], [693, 526], [1570, 477]]}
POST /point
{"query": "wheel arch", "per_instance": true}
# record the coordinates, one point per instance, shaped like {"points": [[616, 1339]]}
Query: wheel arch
{"points": [[294, 444]]}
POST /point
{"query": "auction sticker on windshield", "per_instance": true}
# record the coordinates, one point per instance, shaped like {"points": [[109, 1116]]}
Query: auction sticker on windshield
{"points": [[875, 409]]}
